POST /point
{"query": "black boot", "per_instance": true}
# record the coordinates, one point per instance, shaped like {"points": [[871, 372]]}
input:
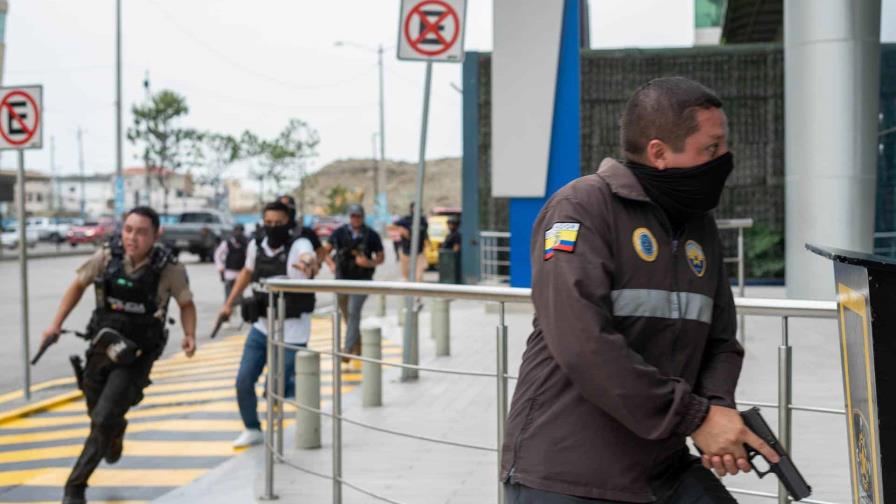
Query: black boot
{"points": [[74, 495]]}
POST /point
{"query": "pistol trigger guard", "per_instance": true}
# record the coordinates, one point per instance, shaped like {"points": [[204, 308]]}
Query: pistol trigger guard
{"points": [[751, 454]]}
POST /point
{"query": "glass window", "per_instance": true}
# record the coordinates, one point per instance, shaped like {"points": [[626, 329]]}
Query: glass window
{"points": [[709, 13]]}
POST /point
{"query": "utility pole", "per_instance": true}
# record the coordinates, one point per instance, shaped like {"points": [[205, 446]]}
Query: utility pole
{"points": [[380, 186], [55, 201], [81, 170], [119, 153]]}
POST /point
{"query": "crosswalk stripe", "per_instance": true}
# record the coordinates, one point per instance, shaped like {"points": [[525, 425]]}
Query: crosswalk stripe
{"points": [[174, 425], [132, 448], [103, 477]]}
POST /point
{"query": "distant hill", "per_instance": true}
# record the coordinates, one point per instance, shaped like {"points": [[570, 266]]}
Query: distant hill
{"points": [[441, 186]]}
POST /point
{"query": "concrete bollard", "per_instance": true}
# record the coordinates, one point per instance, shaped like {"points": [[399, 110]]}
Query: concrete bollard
{"points": [[307, 394], [371, 373], [441, 325]]}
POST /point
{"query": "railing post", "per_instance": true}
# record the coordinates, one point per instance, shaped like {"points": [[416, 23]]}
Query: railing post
{"points": [[308, 394], [410, 350], [371, 372], [441, 326], [337, 410], [785, 393], [501, 368], [381, 305], [741, 286], [269, 432], [280, 351]]}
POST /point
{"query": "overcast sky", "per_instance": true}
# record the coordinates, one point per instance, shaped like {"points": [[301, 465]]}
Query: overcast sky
{"points": [[254, 65]]}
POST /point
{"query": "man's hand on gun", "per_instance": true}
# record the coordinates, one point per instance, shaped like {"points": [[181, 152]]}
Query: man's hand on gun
{"points": [[721, 440]]}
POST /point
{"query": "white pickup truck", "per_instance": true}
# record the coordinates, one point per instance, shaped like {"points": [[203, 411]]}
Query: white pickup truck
{"points": [[53, 229]]}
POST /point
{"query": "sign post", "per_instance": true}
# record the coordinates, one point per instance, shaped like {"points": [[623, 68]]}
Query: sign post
{"points": [[430, 31], [20, 129]]}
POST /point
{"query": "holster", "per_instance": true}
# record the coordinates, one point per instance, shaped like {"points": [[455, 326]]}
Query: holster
{"points": [[249, 309], [79, 370], [119, 349]]}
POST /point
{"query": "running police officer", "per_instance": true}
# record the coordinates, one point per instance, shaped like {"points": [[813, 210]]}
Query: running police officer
{"points": [[134, 277], [633, 347]]}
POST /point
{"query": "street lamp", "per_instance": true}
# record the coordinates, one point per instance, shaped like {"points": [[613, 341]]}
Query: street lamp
{"points": [[379, 183]]}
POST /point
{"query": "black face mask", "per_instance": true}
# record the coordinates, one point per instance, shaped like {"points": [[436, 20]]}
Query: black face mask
{"points": [[684, 193], [277, 235]]}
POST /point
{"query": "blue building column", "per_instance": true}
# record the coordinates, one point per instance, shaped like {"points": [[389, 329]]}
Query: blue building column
{"points": [[564, 159]]}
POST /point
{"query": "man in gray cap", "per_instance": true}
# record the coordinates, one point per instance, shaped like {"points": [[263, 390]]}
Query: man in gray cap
{"points": [[353, 252]]}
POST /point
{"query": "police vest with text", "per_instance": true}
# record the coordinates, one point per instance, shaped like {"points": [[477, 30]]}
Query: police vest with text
{"points": [[278, 265], [129, 303]]}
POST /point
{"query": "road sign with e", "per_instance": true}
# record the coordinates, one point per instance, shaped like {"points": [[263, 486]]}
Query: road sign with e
{"points": [[21, 117], [431, 30]]}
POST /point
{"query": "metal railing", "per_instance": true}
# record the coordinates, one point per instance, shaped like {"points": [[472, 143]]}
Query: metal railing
{"points": [[783, 308], [888, 249], [740, 259], [494, 256]]}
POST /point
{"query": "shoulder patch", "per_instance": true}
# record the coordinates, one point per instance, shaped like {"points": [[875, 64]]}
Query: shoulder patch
{"points": [[696, 257], [561, 236], [645, 244]]}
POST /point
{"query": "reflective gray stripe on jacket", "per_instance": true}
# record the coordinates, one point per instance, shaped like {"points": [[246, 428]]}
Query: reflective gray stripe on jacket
{"points": [[662, 304]]}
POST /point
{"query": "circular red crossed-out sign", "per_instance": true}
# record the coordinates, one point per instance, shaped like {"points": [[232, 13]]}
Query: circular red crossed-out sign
{"points": [[431, 27], [35, 112]]}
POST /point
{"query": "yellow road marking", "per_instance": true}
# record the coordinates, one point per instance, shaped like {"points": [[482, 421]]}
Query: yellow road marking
{"points": [[173, 425], [164, 388], [193, 371], [103, 477], [132, 448], [17, 394]]}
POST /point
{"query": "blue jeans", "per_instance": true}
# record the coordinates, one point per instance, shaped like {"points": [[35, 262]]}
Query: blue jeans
{"points": [[252, 363], [351, 305]]}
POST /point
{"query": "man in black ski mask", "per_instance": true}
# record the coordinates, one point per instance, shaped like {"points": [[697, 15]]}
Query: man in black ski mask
{"points": [[634, 346]]}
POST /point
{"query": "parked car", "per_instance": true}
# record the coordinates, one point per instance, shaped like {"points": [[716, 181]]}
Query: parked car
{"points": [[10, 237], [198, 232], [48, 228], [94, 232]]}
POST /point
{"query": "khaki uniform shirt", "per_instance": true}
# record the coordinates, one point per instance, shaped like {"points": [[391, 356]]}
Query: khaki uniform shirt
{"points": [[173, 282]]}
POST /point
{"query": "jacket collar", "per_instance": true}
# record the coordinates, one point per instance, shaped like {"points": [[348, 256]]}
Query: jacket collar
{"points": [[621, 180]]}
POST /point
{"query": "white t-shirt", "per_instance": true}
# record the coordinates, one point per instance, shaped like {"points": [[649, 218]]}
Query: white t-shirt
{"points": [[296, 331]]}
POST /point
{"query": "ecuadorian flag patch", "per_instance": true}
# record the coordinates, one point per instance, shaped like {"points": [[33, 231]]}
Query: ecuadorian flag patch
{"points": [[562, 236]]}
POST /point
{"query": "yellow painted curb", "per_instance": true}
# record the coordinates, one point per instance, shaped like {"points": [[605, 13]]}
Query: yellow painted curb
{"points": [[46, 404]]}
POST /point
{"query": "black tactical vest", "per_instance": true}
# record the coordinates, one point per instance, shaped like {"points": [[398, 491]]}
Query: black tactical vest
{"points": [[266, 267], [129, 303], [236, 253]]}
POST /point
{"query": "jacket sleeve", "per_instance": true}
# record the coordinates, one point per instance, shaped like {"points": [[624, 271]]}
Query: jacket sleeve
{"points": [[572, 296], [723, 355]]}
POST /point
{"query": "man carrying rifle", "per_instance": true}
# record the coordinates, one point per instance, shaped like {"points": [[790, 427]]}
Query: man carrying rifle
{"points": [[134, 278], [634, 347]]}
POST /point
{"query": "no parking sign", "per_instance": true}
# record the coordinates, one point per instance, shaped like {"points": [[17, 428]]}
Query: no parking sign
{"points": [[431, 30], [20, 117]]}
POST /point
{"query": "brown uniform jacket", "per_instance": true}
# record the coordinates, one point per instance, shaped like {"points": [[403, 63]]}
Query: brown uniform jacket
{"points": [[634, 335]]}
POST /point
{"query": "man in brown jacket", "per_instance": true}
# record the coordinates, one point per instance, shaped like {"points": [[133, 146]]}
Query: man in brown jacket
{"points": [[634, 347]]}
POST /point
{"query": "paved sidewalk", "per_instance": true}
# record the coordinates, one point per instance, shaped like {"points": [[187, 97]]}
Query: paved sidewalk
{"points": [[463, 409]]}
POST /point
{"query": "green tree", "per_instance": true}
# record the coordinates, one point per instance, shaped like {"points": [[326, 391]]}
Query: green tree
{"points": [[337, 200], [167, 146], [300, 140]]}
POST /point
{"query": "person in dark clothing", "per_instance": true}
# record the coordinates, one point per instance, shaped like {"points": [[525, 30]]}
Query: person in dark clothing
{"points": [[356, 252], [299, 230], [134, 278], [452, 240], [404, 226], [634, 343]]}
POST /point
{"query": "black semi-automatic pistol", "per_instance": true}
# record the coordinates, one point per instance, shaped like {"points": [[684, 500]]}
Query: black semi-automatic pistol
{"points": [[785, 469], [217, 327]]}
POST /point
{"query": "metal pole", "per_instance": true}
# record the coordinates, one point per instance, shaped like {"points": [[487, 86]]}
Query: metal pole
{"points": [[410, 353], [371, 372], [81, 169], [502, 390], [23, 274], [269, 431], [381, 196], [337, 411], [281, 369], [785, 392], [308, 394], [119, 156], [741, 287], [441, 325]]}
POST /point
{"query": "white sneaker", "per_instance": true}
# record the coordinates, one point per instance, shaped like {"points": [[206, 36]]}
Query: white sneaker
{"points": [[249, 437]]}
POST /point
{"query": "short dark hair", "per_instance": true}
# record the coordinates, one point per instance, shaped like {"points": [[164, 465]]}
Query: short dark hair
{"points": [[275, 206], [147, 212], [663, 109]]}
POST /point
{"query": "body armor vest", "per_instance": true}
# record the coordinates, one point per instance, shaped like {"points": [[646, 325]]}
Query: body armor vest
{"points": [[266, 267], [236, 253]]}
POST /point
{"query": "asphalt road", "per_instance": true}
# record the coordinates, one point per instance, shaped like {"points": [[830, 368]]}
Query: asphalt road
{"points": [[48, 279]]}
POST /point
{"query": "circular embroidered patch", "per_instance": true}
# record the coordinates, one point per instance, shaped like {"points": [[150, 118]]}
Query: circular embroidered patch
{"points": [[645, 244], [696, 258]]}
